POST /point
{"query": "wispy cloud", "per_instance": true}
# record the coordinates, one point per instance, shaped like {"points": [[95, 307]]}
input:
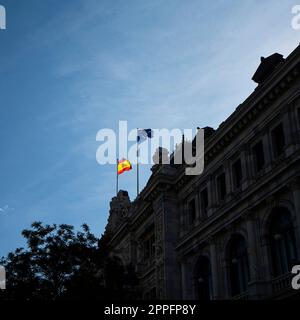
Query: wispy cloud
{"points": [[6, 209]]}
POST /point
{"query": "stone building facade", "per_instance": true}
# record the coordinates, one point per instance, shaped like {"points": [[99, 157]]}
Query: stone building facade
{"points": [[232, 232]]}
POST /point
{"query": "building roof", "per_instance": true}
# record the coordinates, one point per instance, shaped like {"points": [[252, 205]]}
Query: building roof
{"points": [[267, 67]]}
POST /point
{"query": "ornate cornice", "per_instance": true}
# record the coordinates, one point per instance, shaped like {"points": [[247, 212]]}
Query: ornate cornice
{"points": [[247, 114], [164, 178]]}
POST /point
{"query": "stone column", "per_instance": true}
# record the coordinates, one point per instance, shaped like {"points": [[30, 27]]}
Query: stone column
{"points": [[211, 191], [182, 219], [252, 248], [295, 114], [264, 255], [198, 207], [186, 281], [228, 178], [214, 270], [288, 132], [268, 150], [225, 292], [167, 221], [258, 288], [295, 187], [246, 167]]}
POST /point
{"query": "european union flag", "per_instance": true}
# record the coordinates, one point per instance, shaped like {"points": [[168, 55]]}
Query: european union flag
{"points": [[144, 134]]}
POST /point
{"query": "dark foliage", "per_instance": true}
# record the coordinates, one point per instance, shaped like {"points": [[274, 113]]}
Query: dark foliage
{"points": [[60, 264]]}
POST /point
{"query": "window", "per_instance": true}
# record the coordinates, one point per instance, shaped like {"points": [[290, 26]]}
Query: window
{"points": [[204, 201], [282, 241], [259, 156], [203, 279], [237, 173], [192, 211], [238, 265], [149, 247], [221, 183], [278, 140]]}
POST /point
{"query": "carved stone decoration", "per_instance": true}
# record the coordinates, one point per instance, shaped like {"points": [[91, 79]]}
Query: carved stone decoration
{"points": [[266, 67], [161, 156], [119, 210], [160, 281], [159, 253], [159, 237], [126, 254]]}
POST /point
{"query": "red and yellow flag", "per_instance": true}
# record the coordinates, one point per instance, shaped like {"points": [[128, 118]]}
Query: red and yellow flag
{"points": [[124, 165]]}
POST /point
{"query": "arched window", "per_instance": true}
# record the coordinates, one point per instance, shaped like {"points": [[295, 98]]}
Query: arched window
{"points": [[238, 264], [203, 279], [282, 241]]}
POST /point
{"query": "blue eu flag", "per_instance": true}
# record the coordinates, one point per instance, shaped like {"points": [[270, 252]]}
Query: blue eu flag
{"points": [[144, 134]]}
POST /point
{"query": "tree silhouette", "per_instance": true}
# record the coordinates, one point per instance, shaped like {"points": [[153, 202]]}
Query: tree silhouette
{"points": [[60, 264]]}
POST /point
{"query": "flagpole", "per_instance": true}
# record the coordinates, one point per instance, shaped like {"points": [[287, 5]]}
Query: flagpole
{"points": [[117, 187], [137, 164]]}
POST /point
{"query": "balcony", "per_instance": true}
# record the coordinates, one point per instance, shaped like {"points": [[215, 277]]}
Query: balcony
{"points": [[241, 296], [282, 283]]}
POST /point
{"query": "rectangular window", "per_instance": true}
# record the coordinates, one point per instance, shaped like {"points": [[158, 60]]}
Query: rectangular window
{"points": [[149, 246], [221, 183], [204, 201], [278, 140], [237, 173], [192, 211], [259, 156]]}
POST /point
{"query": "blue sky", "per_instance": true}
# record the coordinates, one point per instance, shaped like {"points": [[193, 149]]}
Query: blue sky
{"points": [[69, 68]]}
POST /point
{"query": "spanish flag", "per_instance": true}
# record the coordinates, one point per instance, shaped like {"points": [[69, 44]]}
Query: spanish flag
{"points": [[124, 165]]}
